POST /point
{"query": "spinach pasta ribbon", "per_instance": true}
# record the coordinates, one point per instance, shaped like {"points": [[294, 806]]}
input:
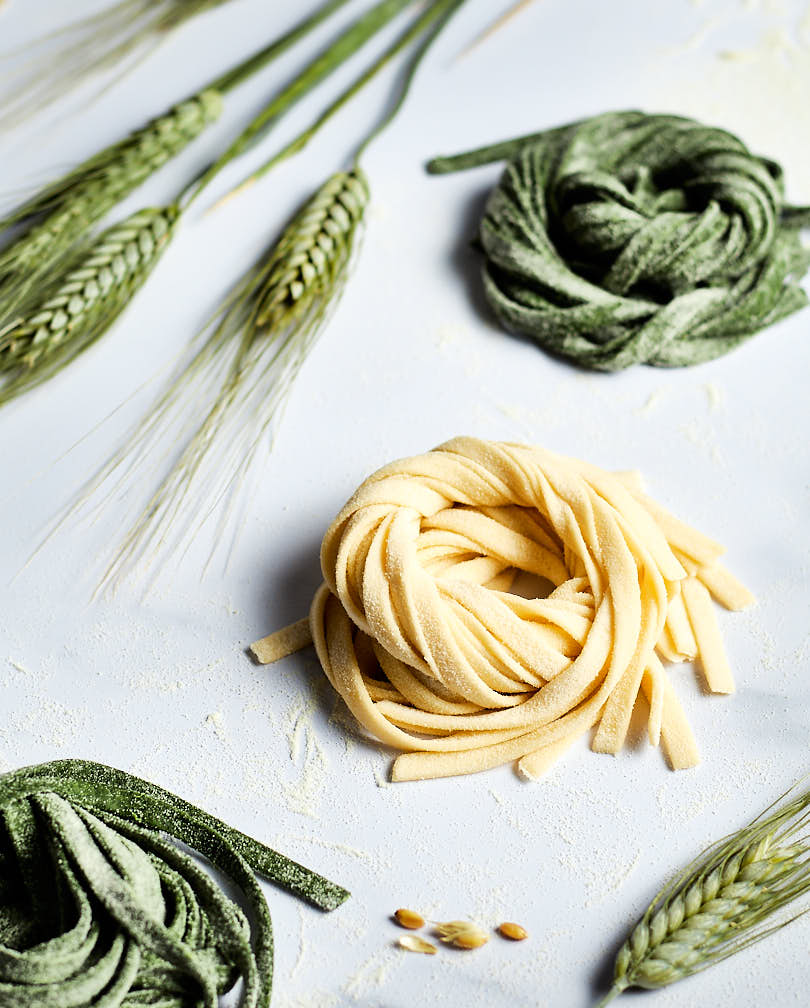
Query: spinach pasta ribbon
{"points": [[630, 238], [98, 907]]}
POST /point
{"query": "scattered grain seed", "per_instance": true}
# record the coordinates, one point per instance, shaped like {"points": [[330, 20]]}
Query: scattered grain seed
{"points": [[413, 943], [462, 934], [514, 932], [409, 919]]}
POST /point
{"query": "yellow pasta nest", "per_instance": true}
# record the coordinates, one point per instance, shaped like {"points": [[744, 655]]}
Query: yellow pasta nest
{"points": [[421, 629]]}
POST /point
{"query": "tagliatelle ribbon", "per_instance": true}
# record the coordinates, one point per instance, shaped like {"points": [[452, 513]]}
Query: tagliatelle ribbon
{"points": [[98, 907], [419, 628]]}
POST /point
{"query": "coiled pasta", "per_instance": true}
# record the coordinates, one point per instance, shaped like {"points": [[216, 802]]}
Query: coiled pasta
{"points": [[418, 626]]}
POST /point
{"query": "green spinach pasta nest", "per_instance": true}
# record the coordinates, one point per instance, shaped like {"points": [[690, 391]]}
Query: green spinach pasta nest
{"points": [[631, 238], [98, 907]]}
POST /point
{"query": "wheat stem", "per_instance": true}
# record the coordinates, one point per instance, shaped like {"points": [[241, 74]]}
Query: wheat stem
{"points": [[345, 46], [430, 22], [233, 78], [612, 994]]}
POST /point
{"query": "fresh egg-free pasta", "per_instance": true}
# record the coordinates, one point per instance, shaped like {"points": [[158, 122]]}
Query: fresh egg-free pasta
{"points": [[488, 602]]}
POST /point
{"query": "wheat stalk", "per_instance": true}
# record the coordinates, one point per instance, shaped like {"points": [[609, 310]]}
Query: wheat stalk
{"points": [[237, 382], [239, 379], [38, 261], [84, 303], [63, 213], [721, 903], [56, 63], [262, 334]]}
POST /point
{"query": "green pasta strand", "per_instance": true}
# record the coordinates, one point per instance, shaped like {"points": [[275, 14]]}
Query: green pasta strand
{"points": [[637, 239], [99, 907]]}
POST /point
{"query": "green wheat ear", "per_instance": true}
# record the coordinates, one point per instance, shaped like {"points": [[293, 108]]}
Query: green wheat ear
{"points": [[307, 267], [240, 378], [728, 898], [62, 214], [75, 312], [229, 397], [61, 285], [112, 40]]}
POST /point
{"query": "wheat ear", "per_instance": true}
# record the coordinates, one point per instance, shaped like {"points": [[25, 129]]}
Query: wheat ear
{"points": [[242, 374], [20, 315], [62, 214], [84, 303], [53, 65], [724, 901]]}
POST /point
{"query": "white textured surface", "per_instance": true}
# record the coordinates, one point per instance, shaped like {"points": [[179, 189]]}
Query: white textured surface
{"points": [[163, 688]]}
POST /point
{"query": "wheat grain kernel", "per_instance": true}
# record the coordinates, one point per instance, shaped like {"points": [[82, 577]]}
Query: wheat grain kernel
{"points": [[413, 943], [470, 940], [512, 931], [409, 919], [462, 934]]}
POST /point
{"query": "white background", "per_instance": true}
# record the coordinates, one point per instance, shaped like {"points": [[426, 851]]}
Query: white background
{"points": [[162, 686]]}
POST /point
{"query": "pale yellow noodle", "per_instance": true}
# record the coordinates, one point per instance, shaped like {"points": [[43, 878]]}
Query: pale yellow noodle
{"points": [[418, 626]]}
